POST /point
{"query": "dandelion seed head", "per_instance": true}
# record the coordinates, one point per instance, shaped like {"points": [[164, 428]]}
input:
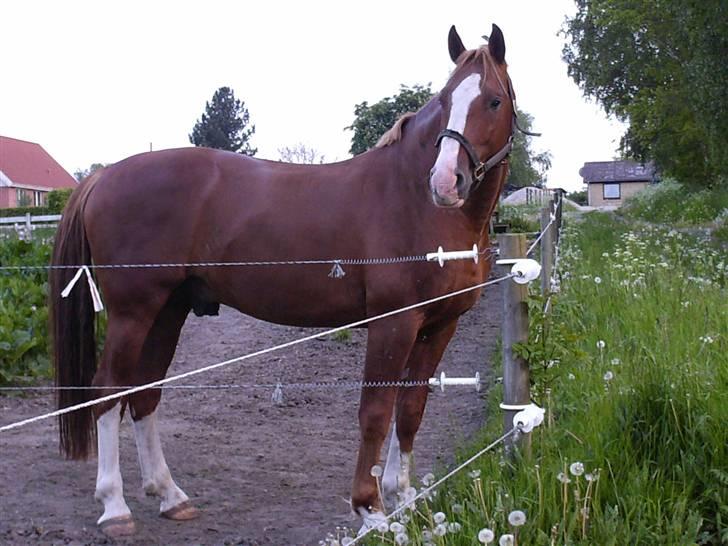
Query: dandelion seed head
{"points": [[601, 344], [506, 540], [517, 518], [608, 376], [440, 530], [563, 478], [396, 527], [597, 280], [428, 479], [376, 471], [486, 536], [576, 469], [401, 538], [439, 517]]}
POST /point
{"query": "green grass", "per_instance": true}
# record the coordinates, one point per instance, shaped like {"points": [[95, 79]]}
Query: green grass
{"points": [[645, 414]]}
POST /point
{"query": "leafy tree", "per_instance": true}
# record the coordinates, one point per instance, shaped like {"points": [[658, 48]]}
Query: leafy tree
{"points": [[82, 174], [300, 153], [57, 199], [224, 125], [372, 121], [661, 67], [526, 167]]}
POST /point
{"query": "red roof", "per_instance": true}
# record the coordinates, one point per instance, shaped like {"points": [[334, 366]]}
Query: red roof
{"points": [[28, 164]]}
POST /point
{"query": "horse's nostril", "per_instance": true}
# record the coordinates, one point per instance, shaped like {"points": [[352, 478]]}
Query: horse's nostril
{"points": [[460, 184]]}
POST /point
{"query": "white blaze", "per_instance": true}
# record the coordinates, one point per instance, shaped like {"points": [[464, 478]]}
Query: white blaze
{"points": [[443, 173]]}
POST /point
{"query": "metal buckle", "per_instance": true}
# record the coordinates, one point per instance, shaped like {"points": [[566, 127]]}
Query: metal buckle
{"points": [[479, 172]]}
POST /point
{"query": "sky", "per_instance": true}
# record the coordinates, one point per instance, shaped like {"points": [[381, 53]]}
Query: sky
{"points": [[97, 81]]}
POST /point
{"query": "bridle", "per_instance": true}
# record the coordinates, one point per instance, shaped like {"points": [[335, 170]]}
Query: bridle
{"points": [[481, 168]]}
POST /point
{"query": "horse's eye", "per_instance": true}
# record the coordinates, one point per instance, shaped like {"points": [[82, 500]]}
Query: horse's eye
{"points": [[495, 103]]}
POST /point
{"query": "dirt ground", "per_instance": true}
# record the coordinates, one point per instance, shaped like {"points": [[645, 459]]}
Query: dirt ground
{"points": [[262, 474]]}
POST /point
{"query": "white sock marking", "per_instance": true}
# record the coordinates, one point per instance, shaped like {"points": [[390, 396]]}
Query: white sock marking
{"points": [[156, 478], [396, 477], [109, 486]]}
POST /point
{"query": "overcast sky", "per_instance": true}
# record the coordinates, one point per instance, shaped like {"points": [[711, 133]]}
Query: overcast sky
{"points": [[99, 81]]}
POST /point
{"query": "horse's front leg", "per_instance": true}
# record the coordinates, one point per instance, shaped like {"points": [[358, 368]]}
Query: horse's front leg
{"points": [[388, 347], [421, 365]]}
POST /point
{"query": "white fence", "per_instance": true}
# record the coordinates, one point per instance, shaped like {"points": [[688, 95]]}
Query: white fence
{"points": [[24, 225]]}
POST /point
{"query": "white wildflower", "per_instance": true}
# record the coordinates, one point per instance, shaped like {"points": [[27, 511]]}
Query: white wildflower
{"points": [[428, 479], [506, 540], [563, 478], [486, 536], [454, 527], [439, 517], [576, 469], [440, 530], [376, 471], [616, 362], [608, 376], [517, 518], [601, 344], [598, 280]]}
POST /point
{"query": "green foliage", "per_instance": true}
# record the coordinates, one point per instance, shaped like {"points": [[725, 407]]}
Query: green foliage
{"points": [[520, 218], [22, 211], [579, 197], [372, 121], [661, 67], [57, 200], [23, 313], [82, 174], [671, 202], [632, 369], [224, 125], [525, 167]]}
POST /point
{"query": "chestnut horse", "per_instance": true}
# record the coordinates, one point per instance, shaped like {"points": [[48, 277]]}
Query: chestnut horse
{"points": [[433, 180]]}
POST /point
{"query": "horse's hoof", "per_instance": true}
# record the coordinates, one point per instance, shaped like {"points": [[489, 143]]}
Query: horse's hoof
{"points": [[182, 512], [121, 526]]}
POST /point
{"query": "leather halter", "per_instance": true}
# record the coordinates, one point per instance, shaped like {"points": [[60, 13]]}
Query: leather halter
{"points": [[481, 168]]}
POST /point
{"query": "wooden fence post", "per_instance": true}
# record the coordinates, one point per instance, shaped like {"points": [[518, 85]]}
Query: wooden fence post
{"points": [[516, 382], [547, 249], [28, 228]]}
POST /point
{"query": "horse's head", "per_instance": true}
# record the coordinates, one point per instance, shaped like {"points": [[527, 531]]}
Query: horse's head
{"points": [[478, 119]]}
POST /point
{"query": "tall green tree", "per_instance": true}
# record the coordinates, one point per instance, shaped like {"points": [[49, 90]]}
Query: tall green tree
{"points": [[660, 66], [372, 121], [225, 124], [82, 174]]}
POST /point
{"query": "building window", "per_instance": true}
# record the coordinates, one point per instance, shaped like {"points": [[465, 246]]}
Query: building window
{"points": [[38, 198], [22, 199], [612, 191]]}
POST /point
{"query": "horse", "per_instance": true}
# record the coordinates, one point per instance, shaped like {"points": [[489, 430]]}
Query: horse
{"points": [[432, 180]]}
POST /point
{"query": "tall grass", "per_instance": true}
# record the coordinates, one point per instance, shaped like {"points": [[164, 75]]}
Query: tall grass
{"points": [[634, 449]]}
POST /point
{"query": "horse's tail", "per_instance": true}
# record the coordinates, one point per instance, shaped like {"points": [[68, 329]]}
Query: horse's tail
{"points": [[72, 327]]}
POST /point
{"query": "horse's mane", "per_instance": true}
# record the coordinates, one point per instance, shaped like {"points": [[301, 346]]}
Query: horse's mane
{"points": [[395, 133]]}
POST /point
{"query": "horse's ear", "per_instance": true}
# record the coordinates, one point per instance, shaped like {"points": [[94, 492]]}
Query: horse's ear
{"points": [[454, 44], [497, 45]]}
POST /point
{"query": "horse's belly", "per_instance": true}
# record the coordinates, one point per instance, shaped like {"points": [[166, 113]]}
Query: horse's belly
{"points": [[302, 298]]}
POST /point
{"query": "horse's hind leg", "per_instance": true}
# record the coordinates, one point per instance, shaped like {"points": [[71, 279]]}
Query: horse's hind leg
{"points": [[125, 337], [156, 357], [422, 363]]}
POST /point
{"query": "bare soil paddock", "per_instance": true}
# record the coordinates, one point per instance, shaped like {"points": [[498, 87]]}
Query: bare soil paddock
{"points": [[262, 474]]}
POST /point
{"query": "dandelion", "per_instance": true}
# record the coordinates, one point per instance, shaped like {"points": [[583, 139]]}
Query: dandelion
{"points": [[616, 362], [517, 518], [382, 527], [486, 536], [474, 474], [401, 538], [572, 376], [439, 517], [506, 540], [440, 530], [608, 376], [408, 495], [454, 527], [426, 535], [563, 478], [576, 469], [396, 527], [346, 541], [601, 344], [457, 508], [428, 479], [376, 471], [597, 280], [707, 339]]}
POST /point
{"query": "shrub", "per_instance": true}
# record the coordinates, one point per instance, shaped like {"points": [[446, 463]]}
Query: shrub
{"points": [[57, 199]]}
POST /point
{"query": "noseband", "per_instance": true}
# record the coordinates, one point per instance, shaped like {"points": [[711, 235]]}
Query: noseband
{"points": [[481, 168]]}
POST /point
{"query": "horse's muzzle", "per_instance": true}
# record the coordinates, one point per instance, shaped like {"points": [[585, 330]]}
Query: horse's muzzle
{"points": [[449, 190]]}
